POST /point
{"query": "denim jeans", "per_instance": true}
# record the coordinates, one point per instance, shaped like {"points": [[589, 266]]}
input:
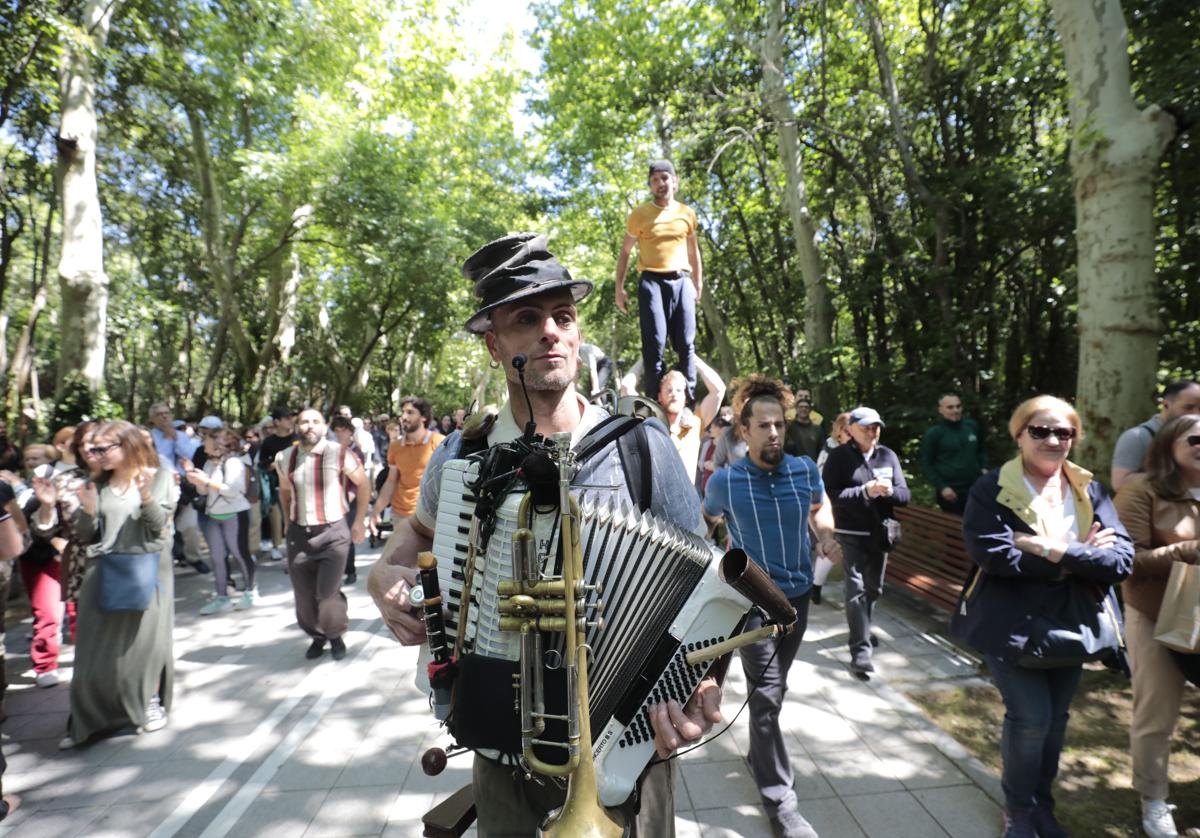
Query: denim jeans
{"points": [[1036, 704]]}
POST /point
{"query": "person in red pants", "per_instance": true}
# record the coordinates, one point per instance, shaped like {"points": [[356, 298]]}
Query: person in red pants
{"points": [[40, 566]]}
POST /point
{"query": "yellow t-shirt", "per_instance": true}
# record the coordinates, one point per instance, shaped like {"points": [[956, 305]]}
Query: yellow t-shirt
{"points": [[662, 234]]}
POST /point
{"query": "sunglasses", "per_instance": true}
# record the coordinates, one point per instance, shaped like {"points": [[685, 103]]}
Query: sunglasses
{"points": [[1193, 439], [1040, 432], [101, 450]]}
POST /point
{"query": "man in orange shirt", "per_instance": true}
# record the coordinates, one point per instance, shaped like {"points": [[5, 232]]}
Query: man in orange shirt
{"points": [[664, 231], [406, 457]]}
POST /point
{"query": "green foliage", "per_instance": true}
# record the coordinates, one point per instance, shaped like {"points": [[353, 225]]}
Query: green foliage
{"points": [[361, 152], [78, 403]]}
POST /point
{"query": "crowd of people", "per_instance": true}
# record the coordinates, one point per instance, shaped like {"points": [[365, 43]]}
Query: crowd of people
{"points": [[98, 518]]}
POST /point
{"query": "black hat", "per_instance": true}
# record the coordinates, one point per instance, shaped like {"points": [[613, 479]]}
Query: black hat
{"points": [[661, 166], [281, 412], [513, 268]]}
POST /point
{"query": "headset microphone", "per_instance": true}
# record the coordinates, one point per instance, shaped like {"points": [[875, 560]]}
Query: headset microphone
{"points": [[519, 360]]}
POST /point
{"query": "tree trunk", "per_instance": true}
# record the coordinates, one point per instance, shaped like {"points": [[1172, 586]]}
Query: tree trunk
{"points": [[1115, 152], [938, 209], [84, 285], [818, 310], [726, 357]]}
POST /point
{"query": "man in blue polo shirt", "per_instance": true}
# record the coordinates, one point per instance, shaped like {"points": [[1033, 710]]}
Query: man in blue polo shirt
{"points": [[768, 500]]}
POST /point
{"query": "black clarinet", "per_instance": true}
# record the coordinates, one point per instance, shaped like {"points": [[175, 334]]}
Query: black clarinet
{"points": [[442, 669]]}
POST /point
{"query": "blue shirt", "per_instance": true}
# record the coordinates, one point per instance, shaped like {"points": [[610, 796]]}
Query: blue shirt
{"points": [[767, 515], [170, 450]]}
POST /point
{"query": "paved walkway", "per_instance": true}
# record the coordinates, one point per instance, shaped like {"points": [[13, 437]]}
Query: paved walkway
{"points": [[262, 742]]}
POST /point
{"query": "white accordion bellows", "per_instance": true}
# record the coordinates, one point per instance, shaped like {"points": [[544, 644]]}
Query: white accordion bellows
{"points": [[662, 597]]}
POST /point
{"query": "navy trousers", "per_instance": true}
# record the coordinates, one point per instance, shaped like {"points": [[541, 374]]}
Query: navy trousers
{"points": [[667, 311]]}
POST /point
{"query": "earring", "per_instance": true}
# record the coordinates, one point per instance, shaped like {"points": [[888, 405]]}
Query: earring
{"points": [[493, 364]]}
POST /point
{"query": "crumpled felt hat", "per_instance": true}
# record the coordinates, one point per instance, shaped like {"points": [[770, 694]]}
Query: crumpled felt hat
{"points": [[513, 268]]}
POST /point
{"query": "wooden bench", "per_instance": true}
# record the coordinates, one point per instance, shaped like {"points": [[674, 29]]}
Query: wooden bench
{"points": [[930, 561]]}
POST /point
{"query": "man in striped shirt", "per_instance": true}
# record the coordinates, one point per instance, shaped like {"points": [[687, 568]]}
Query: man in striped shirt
{"points": [[313, 478], [768, 500]]}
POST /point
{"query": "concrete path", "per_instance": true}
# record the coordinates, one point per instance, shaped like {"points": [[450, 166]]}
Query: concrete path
{"points": [[262, 742]]}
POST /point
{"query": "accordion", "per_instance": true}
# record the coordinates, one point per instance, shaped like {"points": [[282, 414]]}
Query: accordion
{"points": [[662, 593]]}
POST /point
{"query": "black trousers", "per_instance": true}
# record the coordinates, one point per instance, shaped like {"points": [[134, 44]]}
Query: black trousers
{"points": [[316, 562]]}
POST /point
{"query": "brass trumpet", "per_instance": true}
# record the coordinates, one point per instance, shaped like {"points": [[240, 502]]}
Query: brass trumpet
{"points": [[532, 604]]}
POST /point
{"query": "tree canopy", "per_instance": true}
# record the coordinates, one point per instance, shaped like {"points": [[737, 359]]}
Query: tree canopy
{"points": [[288, 190]]}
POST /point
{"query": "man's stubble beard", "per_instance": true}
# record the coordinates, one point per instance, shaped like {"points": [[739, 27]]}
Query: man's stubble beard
{"points": [[771, 456], [552, 381]]}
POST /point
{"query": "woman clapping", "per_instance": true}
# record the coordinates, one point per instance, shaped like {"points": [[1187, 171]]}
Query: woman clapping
{"points": [[124, 666], [226, 522]]}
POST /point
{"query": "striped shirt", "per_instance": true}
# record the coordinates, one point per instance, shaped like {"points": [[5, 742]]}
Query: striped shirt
{"points": [[767, 515], [318, 477]]}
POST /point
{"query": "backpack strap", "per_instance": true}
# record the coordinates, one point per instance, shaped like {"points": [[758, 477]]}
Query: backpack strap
{"points": [[610, 428], [634, 450], [292, 479], [635, 458]]}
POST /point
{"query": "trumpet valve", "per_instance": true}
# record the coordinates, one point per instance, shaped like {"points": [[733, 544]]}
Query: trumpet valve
{"points": [[522, 603]]}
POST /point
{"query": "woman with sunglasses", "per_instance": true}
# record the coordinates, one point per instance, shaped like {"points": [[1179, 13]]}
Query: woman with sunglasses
{"points": [[1161, 509], [58, 503], [226, 522], [1029, 527], [124, 666]]}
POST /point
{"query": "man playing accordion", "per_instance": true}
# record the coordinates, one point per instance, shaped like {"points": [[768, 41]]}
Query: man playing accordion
{"points": [[527, 312]]}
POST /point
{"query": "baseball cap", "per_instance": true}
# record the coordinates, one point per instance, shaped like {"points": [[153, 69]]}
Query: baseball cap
{"points": [[178, 424], [211, 423], [661, 166], [866, 416]]}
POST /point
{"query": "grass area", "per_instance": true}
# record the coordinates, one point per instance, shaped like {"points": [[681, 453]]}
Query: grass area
{"points": [[1094, 794]]}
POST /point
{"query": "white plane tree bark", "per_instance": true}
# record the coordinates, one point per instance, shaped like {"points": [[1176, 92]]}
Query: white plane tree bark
{"points": [[1116, 149]]}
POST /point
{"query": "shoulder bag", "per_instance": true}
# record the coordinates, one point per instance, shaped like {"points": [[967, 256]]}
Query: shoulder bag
{"points": [[1075, 623], [127, 581]]}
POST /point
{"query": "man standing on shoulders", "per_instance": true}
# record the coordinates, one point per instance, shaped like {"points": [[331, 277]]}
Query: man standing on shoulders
{"points": [[664, 231], [1178, 399], [804, 436], [282, 438], [407, 458], [686, 427], [312, 480], [952, 455], [768, 500]]}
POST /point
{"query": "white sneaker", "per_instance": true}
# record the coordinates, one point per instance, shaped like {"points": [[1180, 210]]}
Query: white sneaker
{"points": [[156, 716], [45, 680], [247, 599], [1157, 820], [216, 605]]}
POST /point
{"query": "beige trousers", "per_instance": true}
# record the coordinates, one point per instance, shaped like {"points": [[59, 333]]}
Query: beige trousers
{"points": [[254, 537], [1157, 693]]}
